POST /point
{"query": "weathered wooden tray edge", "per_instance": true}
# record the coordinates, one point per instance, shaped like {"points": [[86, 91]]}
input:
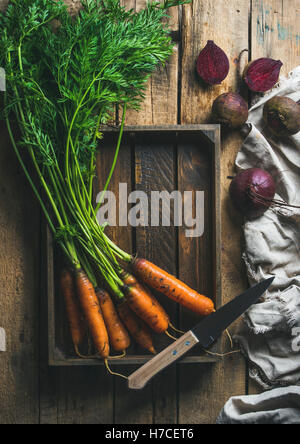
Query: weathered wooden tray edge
{"points": [[55, 357]]}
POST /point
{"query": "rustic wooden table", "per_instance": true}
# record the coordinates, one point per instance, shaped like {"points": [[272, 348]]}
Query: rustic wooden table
{"points": [[33, 393]]}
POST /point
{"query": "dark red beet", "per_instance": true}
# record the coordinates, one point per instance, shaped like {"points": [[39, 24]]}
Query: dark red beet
{"points": [[231, 110], [262, 74], [282, 116], [252, 192], [212, 64]]}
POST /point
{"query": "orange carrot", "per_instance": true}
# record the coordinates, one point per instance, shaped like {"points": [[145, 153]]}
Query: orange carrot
{"points": [[144, 304], [129, 279], [171, 287], [118, 335], [138, 329], [77, 326], [92, 311]]}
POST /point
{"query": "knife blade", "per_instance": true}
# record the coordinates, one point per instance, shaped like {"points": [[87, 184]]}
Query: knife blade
{"points": [[205, 334]]}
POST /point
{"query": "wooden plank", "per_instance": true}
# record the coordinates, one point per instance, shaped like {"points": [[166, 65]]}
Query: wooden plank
{"points": [[19, 296], [194, 174], [3, 4], [204, 391], [66, 396], [275, 34], [128, 407], [160, 107], [83, 395], [155, 167], [122, 175], [128, 361], [162, 84], [275, 31], [48, 376], [156, 171], [86, 394], [160, 104], [203, 21], [197, 171], [123, 237], [75, 395], [72, 397]]}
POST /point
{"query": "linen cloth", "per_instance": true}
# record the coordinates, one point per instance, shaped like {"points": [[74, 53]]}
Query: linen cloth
{"points": [[270, 335], [278, 406]]}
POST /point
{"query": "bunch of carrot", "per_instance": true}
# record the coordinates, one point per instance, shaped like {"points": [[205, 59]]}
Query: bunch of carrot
{"points": [[136, 313]]}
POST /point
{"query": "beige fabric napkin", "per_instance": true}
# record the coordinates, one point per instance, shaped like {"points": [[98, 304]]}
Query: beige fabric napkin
{"points": [[278, 406], [270, 335], [269, 338]]}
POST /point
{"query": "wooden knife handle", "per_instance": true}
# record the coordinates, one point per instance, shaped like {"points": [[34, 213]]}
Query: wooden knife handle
{"points": [[171, 354]]}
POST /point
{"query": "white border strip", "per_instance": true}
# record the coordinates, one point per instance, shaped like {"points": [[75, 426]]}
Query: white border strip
{"points": [[2, 340], [2, 80]]}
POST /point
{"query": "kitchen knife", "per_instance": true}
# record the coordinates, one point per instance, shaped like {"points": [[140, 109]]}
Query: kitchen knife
{"points": [[205, 334]]}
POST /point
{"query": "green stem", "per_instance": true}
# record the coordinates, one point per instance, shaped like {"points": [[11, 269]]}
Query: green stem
{"points": [[37, 194], [68, 244], [114, 161], [92, 162]]}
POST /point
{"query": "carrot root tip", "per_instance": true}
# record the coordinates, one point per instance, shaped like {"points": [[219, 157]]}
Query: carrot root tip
{"points": [[229, 337], [80, 355], [223, 355], [176, 329], [170, 336], [133, 259], [119, 356], [113, 373]]}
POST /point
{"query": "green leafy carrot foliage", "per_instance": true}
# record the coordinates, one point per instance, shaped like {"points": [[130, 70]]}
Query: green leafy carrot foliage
{"points": [[66, 76]]}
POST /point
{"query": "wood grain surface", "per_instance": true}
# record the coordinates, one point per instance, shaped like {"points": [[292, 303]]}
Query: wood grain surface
{"points": [[159, 243], [202, 21], [31, 392]]}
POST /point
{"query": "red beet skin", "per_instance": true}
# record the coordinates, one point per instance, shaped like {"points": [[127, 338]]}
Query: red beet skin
{"points": [[212, 64], [231, 110], [252, 192], [262, 74]]}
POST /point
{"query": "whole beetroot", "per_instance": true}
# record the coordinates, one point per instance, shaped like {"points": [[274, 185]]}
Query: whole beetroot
{"points": [[212, 64], [282, 116], [252, 192], [262, 75], [231, 110]]}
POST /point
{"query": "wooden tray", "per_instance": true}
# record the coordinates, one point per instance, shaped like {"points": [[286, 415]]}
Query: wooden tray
{"points": [[163, 158]]}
